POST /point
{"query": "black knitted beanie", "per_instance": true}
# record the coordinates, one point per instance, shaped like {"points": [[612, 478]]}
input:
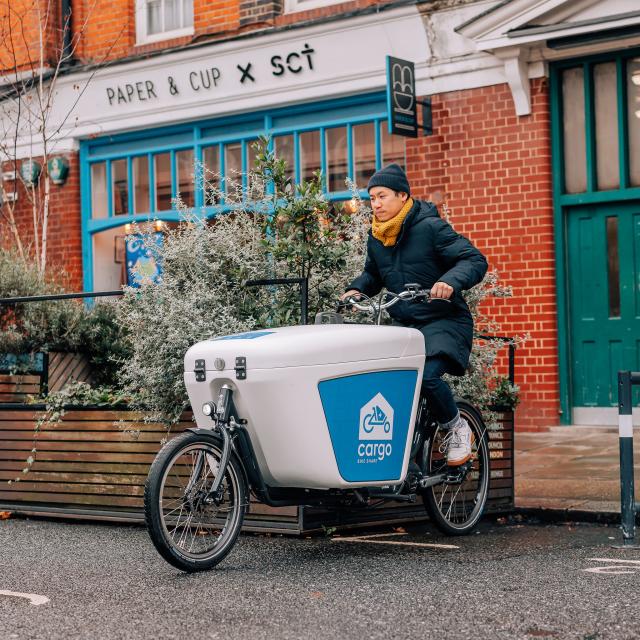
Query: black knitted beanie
{"points": [[392, 176]]}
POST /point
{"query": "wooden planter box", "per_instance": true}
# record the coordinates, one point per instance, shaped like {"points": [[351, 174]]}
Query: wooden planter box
{"points": [[93, 464], [49, 371]]}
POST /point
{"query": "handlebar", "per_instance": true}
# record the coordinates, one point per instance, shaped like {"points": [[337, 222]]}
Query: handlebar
{"points": [[411, 292]]}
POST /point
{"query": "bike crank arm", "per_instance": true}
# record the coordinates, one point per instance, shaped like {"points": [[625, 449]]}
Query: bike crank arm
{"points": [[432, 481]]}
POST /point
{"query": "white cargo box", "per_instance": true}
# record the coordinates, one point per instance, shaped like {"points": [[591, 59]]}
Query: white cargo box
{"points": [[327, 406]]}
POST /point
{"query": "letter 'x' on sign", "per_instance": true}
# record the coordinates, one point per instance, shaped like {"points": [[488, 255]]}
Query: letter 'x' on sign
{"points": [[246, 72]]}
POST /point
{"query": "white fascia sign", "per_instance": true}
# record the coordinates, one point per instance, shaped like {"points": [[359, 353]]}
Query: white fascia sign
{"points": [[300, 65]]}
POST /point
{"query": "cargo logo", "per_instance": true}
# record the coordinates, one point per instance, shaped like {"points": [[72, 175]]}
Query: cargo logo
{"points": [[376, 424]]}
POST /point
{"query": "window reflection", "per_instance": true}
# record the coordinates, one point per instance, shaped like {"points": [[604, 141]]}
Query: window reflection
{"points": [[633, 118], [283, 147], [613, 267], [309, 154], [140, 184], [364, 153], [211, 175], [184, 165], [233, 170], [99, 190], [336, 141], [393, 147], [162, 166], [575, 153], [606, 108], [120, 183]]}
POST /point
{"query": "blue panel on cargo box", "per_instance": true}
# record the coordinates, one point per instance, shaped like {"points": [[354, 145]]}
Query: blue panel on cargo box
{"points": [[368, 419]]}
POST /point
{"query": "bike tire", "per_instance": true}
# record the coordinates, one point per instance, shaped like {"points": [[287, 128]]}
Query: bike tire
{"points": [[456, 515], [165, 488]]}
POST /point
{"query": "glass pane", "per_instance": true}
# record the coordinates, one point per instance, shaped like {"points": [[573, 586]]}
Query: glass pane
{"points": [[120, 182], [187, 13], [633, 115], [171, 15], [211, 171], [141, 184], [283, 146], [392, 147], [364, 153], [575, 151], [252, 156], [613, 267], [163, 181], [606, 103], [233, 170], [336, 140], [184, 164], [109, 270], [309, 154], [154, 16], [99, 190]]}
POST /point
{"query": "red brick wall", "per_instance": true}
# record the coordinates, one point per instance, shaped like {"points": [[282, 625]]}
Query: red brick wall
{"points": [[496, 169], [22, 22], [64, 246]]}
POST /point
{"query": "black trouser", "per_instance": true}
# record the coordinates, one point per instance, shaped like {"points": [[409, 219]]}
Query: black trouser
{"points": [[441, 403]]}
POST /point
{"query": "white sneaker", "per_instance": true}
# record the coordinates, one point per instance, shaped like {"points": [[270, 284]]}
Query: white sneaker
{"points": [[458, 444]]}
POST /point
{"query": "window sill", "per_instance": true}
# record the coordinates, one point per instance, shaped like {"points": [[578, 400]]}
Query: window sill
{"points": [[165, 35]]}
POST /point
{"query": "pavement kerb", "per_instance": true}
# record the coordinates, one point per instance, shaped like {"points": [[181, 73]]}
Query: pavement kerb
{"points": [[570, 515]]}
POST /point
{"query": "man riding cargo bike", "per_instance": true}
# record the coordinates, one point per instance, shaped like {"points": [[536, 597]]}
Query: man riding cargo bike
{"points": [[341, 415]]}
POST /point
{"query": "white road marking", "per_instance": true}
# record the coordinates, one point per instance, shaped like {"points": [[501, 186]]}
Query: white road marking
{"points": [[406, 543], [618, 566], [34, 598], [619, 561]]}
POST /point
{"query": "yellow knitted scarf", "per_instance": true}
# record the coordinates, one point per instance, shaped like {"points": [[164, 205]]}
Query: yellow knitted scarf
{"points": [[387, 232]]}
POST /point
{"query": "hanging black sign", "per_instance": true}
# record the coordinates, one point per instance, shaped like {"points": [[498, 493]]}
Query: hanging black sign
{"points": [[401, 97]]}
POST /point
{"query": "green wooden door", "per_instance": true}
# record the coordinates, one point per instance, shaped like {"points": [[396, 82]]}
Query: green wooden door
{"points": [[604, 296]]}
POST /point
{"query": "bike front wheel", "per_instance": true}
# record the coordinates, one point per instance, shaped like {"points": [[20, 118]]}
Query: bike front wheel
{"points": [[456, 507], [192, 529]]}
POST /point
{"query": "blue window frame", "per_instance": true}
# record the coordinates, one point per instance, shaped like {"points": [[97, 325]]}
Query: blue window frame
{"points": [[227, 141]]}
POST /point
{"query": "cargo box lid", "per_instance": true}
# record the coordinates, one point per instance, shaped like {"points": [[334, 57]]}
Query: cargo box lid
{"points": [[308, 345]]}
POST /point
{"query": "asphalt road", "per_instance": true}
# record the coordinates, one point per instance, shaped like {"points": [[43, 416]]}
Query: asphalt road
{"points": [[510, 580]]}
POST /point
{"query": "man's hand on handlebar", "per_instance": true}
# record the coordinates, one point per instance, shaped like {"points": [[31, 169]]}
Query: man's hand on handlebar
{"points": [[348, 294], [441, 290]]}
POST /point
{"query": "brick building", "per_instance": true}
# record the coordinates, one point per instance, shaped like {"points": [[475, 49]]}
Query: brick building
{"points": [[536, 142]]}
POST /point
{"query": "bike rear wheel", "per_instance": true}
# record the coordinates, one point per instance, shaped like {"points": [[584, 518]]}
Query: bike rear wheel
{"points": [[190, 528], [456, 507]]}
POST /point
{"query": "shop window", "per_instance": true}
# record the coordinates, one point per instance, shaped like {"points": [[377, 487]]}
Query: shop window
{"points": [[233, 169], [99, 190], [140, 184], [252, 156], [211, 174], [120, 187], [184, 165], [283, 147], [364, 153], [633, 119], [309, 154], [606, 110], [162, 170], [393, 147], [162, 19], [573, 120], [336, 141]]}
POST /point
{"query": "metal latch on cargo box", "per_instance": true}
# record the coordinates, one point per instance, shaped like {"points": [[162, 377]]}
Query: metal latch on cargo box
{"points": [[200, 371], [241, 368]]}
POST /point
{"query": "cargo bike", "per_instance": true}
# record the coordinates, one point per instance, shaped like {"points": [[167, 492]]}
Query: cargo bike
{"points": [[329, 414]]}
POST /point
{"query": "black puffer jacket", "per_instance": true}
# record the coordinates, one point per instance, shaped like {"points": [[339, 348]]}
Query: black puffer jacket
{"points": [[427, 251]]}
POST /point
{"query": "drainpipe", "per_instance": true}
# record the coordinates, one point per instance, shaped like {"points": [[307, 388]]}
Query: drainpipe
{"points": [[66, 31]]}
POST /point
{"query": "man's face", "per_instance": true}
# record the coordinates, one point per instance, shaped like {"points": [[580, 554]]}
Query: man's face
{"points": [[386, 203]]}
